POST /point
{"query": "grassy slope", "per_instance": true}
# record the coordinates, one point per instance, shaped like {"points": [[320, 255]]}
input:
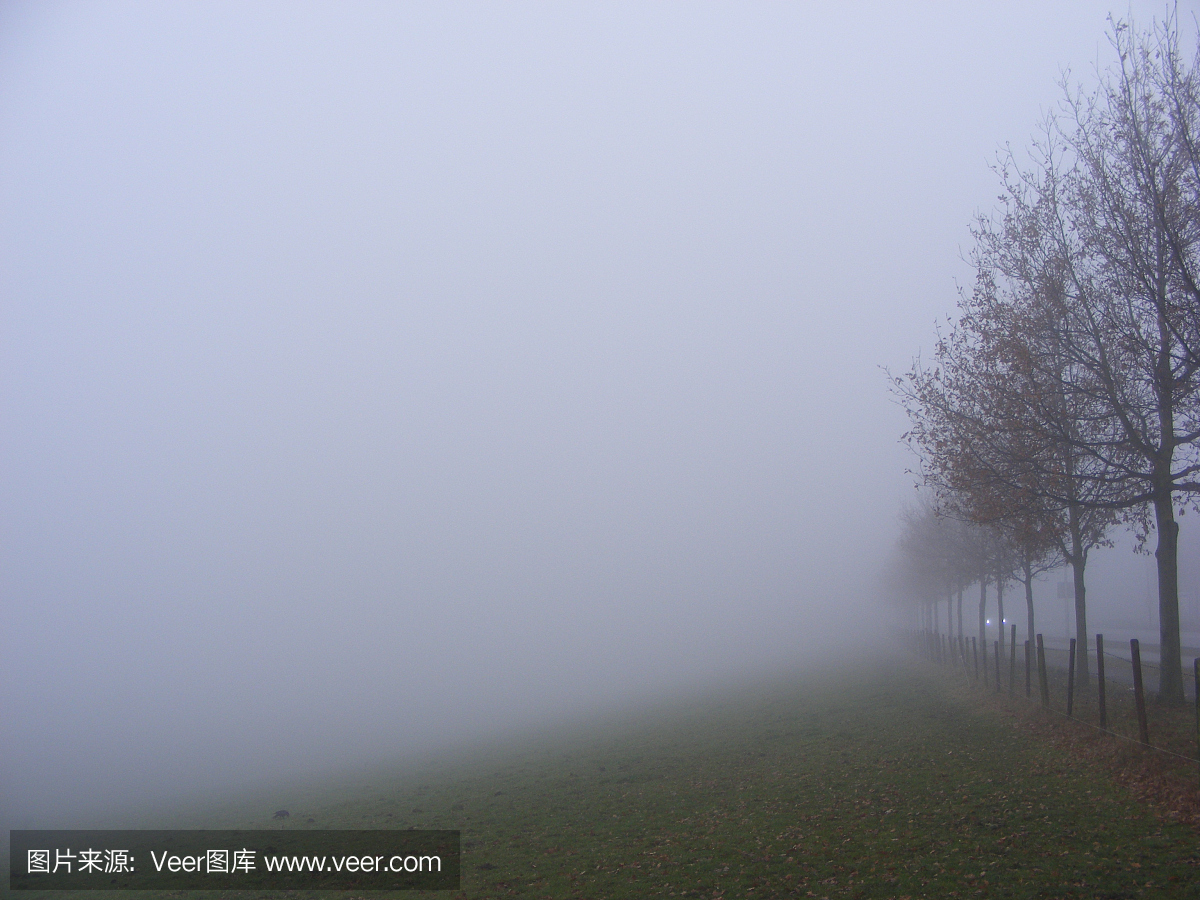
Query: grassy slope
{"points": [[878, 784]]}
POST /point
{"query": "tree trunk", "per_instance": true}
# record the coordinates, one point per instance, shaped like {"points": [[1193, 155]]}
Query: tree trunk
{"points": [[1029, 600], [960, 625], [983, 583], [949, 610], [1000, 579], [1170, 684], [1078, 560]]}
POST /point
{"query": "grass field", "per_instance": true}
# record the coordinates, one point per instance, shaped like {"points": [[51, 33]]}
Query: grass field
{"points": [[892, 782]]}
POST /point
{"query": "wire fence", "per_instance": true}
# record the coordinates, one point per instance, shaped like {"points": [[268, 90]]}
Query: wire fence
{"points": [[1118, 702], [1185, 671], [1057, 651]]}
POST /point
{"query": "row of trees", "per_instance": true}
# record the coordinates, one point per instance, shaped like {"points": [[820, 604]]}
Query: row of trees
{"points": [[941, 555], [1064, 397]]}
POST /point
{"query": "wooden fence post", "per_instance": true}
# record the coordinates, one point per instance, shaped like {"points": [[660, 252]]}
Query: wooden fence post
{"points": [[1071, 679], [1012, 661], [1042, 683], [1100, 696], [996, 650], [1028, 689], [975, 653], [1139, 696], [1196, 666]]}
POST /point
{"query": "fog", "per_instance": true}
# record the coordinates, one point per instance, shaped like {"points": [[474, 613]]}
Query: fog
{"points": [[376, 379]]}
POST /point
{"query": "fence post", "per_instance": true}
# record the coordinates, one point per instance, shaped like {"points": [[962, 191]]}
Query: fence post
{"points": [[996, 650], [975, 653], [1042, 684], [1028, 690], [1195, 665], [1071, 679], [1012, 661], [1100, 697], [1139, 696]]}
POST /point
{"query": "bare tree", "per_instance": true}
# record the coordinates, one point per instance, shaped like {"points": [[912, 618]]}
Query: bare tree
{"points": [[1019, 319], [1067, 393], [988, 425], [926, 570], [1128, 230]]}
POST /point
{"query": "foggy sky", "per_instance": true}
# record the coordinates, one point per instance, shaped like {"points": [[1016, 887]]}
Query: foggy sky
{"points": [[376, 377]]}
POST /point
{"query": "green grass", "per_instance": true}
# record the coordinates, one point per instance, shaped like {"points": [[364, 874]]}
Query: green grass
{"points": [[884, 783], [1170, 728]]}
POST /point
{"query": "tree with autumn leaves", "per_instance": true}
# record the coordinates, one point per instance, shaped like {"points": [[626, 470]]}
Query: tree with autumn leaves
{"points": [[1065, 395]]}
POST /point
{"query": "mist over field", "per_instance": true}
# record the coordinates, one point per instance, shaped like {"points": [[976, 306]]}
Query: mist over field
{"points": [[378, 379]]}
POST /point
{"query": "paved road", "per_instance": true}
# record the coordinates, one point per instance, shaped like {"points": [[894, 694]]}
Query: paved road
{"points": [[1118, 667]]}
